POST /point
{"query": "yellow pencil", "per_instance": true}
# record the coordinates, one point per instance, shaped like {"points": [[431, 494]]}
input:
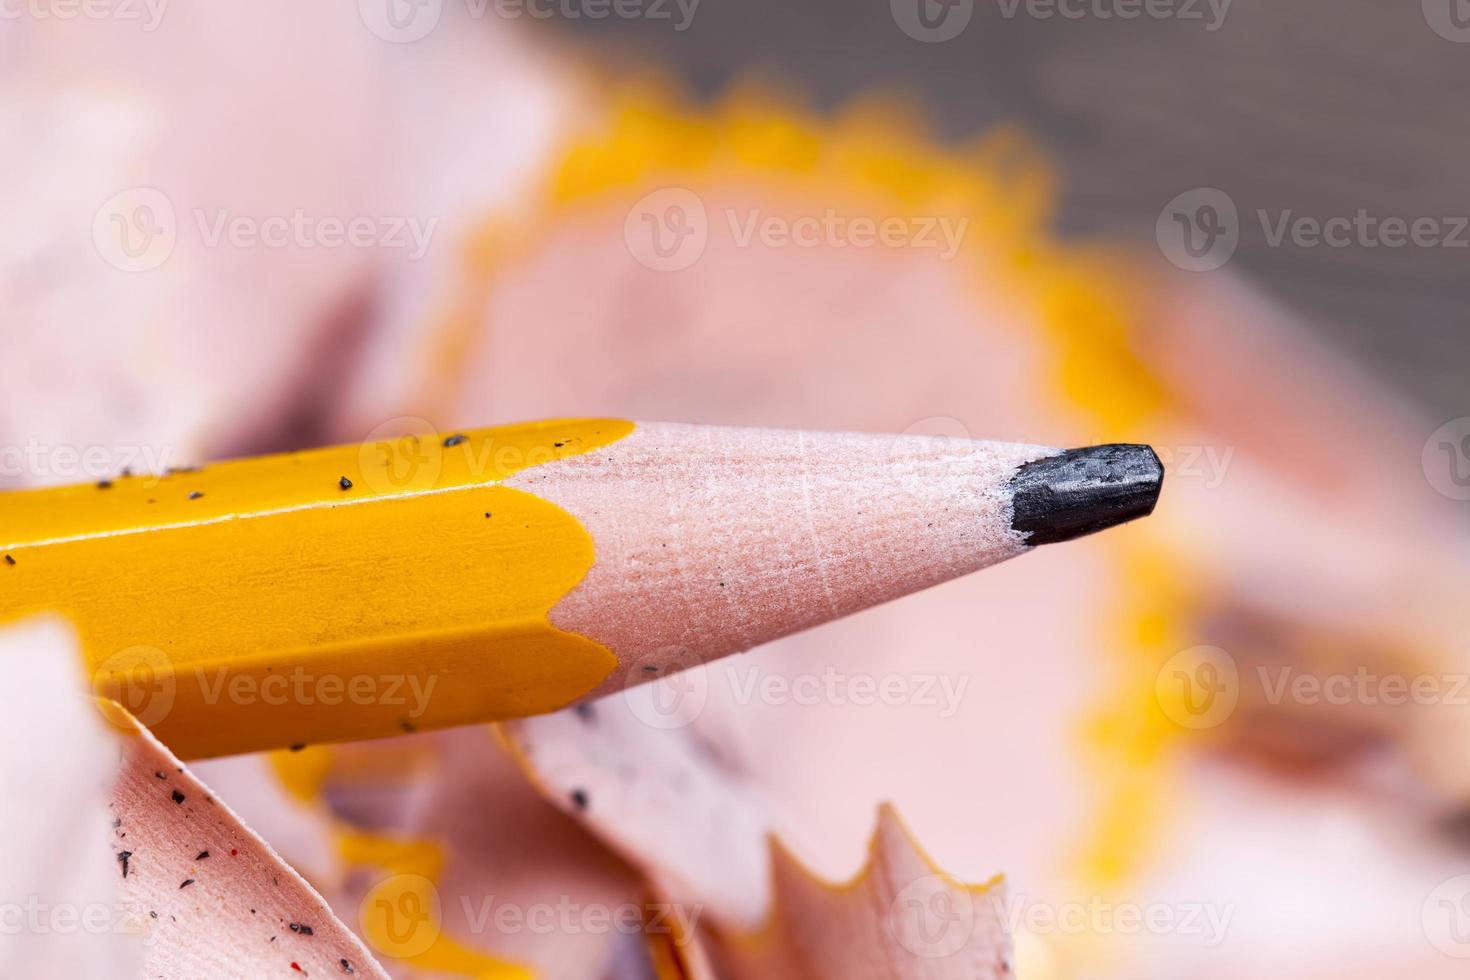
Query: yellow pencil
{"points": [[416, 583]]}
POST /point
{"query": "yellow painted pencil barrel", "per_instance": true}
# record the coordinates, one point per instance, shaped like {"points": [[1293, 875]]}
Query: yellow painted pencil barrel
{"points": [[265, 602], [428, 581]]}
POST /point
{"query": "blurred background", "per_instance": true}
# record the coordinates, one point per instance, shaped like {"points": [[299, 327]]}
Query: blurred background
{"points": [[1309, 106], [1227, 741]]}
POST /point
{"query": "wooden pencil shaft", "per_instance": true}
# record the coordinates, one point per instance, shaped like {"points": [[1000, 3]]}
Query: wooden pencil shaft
{"points": [[444, 579]]}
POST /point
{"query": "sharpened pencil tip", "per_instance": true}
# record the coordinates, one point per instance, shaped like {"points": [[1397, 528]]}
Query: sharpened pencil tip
{"points": [[1080, 491]]}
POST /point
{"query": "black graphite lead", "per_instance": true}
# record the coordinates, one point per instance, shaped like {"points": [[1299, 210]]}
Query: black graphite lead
{"points": [[1080, 491]]}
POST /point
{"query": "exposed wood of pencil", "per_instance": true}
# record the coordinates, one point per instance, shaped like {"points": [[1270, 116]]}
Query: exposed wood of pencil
{"points": [[368, 590]]}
